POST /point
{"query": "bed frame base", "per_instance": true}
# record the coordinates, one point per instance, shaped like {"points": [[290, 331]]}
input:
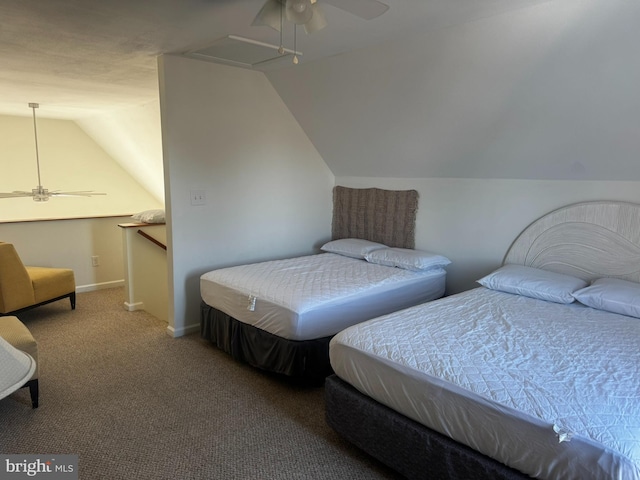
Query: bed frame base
{"points": [[306, 360], [408, 447]]}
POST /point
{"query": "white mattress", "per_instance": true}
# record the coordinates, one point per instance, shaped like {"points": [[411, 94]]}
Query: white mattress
{"points": [[315, 296], [497, 372]]}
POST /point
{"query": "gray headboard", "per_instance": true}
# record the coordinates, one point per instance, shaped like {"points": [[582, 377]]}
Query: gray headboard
{"points": [[587, 240], [384, 216]]}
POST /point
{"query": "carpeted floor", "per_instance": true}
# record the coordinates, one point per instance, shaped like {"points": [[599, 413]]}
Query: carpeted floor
{"points": [[134, 403]]}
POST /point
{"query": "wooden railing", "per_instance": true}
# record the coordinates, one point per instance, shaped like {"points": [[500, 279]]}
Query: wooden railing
{"points": [[152, 240]]}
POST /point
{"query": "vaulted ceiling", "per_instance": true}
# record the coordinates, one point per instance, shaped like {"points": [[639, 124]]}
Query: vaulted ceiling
{"points": [[525, 89]]}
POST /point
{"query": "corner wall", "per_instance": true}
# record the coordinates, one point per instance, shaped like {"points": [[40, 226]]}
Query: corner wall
{"points": [[228, 137]]}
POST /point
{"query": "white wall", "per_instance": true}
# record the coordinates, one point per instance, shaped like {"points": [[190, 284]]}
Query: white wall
{"points": [[71, 244], [227, 133], [69, 161], [473, 222]]}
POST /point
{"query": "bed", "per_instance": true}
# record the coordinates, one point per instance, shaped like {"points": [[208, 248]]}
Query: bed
{"points": [[532, 374], [280, 315]]}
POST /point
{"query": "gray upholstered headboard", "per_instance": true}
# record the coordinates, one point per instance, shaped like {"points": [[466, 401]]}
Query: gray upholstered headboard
{"points": [[384, 216], [587, 240]]}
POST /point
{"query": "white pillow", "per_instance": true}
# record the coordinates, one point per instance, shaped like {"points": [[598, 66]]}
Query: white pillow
{"points": [[149, 216], [534, 283], [351, 247], [612, 295], [407, 259]]}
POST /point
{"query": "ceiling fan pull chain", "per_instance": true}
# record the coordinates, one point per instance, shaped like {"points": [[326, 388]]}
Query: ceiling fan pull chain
{"points": [[295, 44], [281, 48]]}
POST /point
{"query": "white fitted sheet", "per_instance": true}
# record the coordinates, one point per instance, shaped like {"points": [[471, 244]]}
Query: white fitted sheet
{"points": [[498, 371], [315, 296]]}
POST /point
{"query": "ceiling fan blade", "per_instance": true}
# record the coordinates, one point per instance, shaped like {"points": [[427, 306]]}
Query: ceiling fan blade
{"points": [[367, 9], [15, 194], [82, 193], [269, 15], [318, 20]]}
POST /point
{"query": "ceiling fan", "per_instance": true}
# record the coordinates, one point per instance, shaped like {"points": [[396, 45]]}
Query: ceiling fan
{"points": [[41, 194], [309, 14]]}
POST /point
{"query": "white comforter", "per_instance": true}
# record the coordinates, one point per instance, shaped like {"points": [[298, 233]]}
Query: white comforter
{"points": [[551, 390]]}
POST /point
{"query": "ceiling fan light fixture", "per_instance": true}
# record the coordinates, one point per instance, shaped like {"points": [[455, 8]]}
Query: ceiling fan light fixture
{"points": [[299, 6], [298, 11], [40, 194]]}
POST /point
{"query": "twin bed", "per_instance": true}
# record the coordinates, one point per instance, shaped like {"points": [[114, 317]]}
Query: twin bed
{"points": [[280, 315], [536, 373]]}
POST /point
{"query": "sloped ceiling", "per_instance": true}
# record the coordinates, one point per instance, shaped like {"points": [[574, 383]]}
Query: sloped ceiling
{"points": [[546, 92]]}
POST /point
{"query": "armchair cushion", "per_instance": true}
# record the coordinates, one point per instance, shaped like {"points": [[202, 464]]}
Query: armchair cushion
{"points": [[51, 283], [24, 287]]}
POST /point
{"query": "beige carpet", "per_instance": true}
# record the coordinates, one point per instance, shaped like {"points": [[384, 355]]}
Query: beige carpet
{"points": [[134, 403]]}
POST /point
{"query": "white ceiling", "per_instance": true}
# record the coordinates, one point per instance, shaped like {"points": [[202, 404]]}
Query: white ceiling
{"points": [[78, 58]]}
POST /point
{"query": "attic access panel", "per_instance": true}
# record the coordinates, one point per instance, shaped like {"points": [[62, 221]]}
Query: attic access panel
{"points": [[239, 51]]}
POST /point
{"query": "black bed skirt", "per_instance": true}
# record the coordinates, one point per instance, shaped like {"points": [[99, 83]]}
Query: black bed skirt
{"points": [[308, 359], [408, 447]]}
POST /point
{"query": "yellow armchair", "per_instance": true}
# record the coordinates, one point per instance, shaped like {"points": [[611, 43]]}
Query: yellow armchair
{"points": [[24, 287]]}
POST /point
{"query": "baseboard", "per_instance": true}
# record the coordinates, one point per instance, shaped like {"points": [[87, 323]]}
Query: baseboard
{"points": [[132, 307], [99, 286], [186, 330]]}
